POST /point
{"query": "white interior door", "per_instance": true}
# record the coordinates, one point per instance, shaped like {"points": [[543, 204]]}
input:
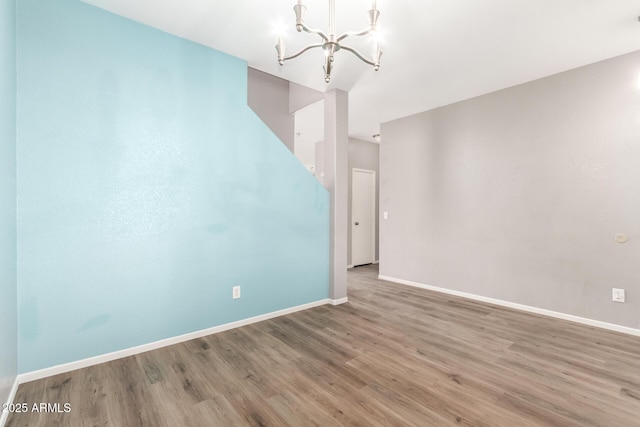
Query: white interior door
{"points": [[363, 216]]}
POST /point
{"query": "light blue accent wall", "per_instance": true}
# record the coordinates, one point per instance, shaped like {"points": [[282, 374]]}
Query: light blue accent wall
{"points": [[147, 189], [8, 281]]}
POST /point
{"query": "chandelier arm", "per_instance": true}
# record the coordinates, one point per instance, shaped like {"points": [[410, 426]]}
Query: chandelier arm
{"points": [[355, 34], [330, 42], [295, 55], [358, 54], [318, 32]]}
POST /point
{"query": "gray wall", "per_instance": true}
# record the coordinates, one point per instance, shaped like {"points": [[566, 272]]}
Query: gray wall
{"points": [[517, 195], [335, 166], [319, 170], [364, 155], [301, 96], [8, 275], [268, 97]]}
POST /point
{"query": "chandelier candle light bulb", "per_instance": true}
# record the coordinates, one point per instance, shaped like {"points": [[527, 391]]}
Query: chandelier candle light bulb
{"points": [[330, 43]]}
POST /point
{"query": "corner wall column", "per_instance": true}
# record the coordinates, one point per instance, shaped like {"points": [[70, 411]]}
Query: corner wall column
{"points": [[336, 178]]}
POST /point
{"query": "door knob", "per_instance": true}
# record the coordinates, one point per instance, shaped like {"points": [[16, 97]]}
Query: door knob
{"points": [[357, 223]]}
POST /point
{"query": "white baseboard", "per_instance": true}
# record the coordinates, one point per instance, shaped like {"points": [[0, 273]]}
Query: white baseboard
{"points": [[339, 301], [66, 367], [522, 307], [12, 395], [351, 265]]}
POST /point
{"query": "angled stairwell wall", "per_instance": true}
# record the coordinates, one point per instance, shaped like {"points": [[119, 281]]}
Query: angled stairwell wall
{"points": [[268, 97], [147, 188]]}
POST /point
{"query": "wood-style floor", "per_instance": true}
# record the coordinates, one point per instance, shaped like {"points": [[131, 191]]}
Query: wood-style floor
{"points": [[393, 356]]}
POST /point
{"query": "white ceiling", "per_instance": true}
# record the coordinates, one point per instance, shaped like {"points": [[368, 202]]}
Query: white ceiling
{"points": [[436, 52]]}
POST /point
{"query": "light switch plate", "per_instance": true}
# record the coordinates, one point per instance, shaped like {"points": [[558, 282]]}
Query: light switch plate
{"points": [[617, 295]]}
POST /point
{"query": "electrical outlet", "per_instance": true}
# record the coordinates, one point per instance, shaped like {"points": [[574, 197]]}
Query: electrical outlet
{"points": [[236, 292], [617, 295]]}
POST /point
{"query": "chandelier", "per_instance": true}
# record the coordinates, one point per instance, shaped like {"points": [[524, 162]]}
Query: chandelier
{"points": [[331, 43]]}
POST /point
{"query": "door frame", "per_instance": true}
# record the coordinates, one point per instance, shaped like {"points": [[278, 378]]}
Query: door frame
{"points": [[373, 211]]}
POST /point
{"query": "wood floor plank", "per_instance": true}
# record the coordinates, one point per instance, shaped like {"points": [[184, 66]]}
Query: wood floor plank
{"points": [[393, 356]]}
